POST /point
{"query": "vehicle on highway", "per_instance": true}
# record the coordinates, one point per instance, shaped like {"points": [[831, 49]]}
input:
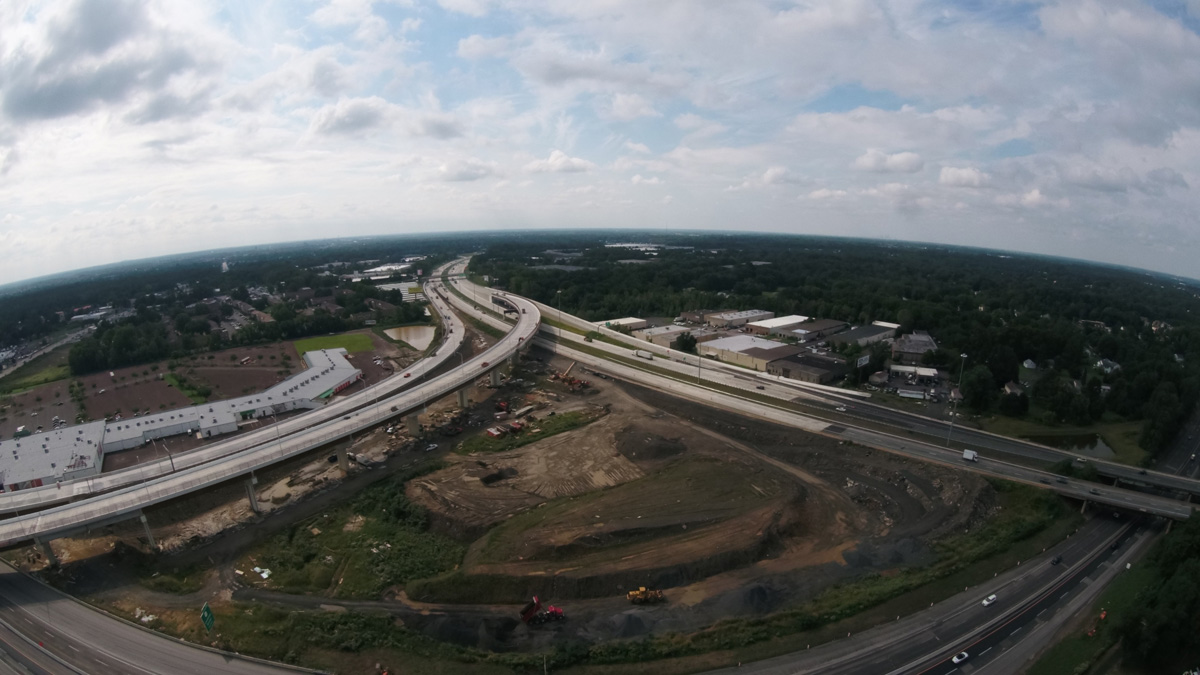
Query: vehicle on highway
{"points": [[1044, 480], [760, 387], [970, 455], [408, 374], [484, 364], [989, 600], [346, 417], [1093, 491], [961, 657], [1056, 559], [840, 408], [1061, 480]]}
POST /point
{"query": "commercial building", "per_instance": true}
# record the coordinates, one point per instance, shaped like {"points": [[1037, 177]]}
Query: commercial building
{"points": [[808, 368], [78, 451], [910, 348], [746, 350], [697, 315], [915, 373], [663, 336], [629, 323], [777, 325], [738, 318], [865, 335], [816, 329]]}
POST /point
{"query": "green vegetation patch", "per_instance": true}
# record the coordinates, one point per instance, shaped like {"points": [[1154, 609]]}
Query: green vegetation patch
{"points": [[358, 550], [196, 393], [351, 342], [49, 367], [1077, 653], [548, 426], [486, 329]]}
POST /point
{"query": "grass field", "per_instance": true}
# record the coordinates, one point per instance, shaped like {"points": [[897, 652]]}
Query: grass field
{"points": [[549, 426], [351, 342], [1079, 650], [1122, 437], [48, 367]]}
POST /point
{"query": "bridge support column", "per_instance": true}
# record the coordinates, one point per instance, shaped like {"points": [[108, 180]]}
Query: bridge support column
{"points": [[414, 424], [44, 547], [250, 483], [515, 359], [146, 527], [1083, 506], [343, 459], [494, 378], [462, 398]]}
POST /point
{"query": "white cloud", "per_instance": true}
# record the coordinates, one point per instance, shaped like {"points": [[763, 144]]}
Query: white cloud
{"points": [[559, 162], [881, 162], [826, 193], [639, 180], [962, 177], [627, 107], [477, 47], [352, 116], [636, 147], [476, 8], [470, 169]]}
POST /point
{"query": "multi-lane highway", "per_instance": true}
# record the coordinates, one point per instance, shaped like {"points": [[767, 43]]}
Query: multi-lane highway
{"points": [[45, 632], [35, 498], [62, 520]]}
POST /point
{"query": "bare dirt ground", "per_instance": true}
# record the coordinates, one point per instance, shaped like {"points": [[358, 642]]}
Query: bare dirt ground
{"points": [[773, 517]]}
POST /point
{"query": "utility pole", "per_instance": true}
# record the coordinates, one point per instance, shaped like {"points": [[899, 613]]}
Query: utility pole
{"points": [[954, 411]]}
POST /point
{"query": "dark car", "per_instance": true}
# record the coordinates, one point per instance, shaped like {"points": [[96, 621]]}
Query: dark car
{"points": [[1061, 480], [1056, 559]]}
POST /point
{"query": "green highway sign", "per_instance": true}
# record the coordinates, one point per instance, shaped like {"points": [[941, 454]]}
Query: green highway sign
{"points": [[207, 617]]}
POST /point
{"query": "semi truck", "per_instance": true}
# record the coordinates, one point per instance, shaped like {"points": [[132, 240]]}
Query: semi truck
{"points": [[970, 455]]}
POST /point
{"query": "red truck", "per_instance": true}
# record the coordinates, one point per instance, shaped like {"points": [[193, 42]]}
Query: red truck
{"points": [[533, 614]]}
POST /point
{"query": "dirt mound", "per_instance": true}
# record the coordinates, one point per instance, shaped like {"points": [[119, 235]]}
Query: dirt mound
{"points": [[638, 444]]}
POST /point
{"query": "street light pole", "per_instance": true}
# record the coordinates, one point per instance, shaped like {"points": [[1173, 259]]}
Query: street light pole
{"points": [[954, 411]]}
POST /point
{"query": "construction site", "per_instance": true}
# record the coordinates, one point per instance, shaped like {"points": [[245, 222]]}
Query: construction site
{"points": [[559, 506]]}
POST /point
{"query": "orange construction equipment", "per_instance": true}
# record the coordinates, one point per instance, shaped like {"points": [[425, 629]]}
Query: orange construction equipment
{"points": [[645, 596]]}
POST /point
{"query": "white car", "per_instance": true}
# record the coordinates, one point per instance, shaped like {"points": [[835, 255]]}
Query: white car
{"points": [[960, 658], [841, 408], [989, 599]]}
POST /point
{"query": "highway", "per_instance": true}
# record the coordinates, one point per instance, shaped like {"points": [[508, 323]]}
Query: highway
{"points": [[35, 498], [841, 425], [78, 639], [125, 502]]}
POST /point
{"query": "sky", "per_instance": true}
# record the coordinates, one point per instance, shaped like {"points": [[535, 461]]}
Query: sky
{"points": [[134, 129]]}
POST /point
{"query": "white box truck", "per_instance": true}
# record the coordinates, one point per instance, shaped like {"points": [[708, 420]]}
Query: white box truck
{"points": [[970, 455], [644, 355]]}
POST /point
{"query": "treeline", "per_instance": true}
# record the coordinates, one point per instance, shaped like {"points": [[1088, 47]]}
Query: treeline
{"points": [[998, 309], [1161, 629]]}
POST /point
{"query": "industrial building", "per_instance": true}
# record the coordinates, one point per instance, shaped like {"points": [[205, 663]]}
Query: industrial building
{"points": [[808, 368], [78, 451], [816, 329], [746, 350], [737, 318], [629, 323], [663, 336], [910, 348], [915, 373], [779, 324], [866, 335]]}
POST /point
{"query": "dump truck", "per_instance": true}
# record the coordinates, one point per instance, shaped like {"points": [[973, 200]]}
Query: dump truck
{"points": [[970, 455], [533, 614], [645, 596]]}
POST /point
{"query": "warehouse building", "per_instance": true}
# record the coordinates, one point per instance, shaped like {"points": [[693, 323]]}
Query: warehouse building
{"points": [[738, 318], [777, 325], [627, 324], [663, 336], [808, 368], [816, 329], [78, 451], [910, 348], [746, 350], [865, 335], [697, 315]]}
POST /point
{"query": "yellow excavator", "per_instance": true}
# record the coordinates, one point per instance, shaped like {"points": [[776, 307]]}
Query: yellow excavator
{"points": [[645, 596]]}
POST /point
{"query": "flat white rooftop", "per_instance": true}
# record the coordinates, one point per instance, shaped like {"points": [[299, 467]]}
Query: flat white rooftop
{"points": [[779, 321]]}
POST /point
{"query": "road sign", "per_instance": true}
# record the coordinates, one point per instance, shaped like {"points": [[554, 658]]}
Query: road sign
{"points": [[207, 618], [863, 360]]}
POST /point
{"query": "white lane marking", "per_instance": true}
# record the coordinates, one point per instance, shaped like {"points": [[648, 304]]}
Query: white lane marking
{"points": [[985, 651], [48, 633], [1041, 612], [1064, 595], [73, 648], [103, 663], [1014, 632]]}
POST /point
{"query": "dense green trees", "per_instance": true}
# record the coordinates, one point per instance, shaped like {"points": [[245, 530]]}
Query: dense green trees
{"points": [[1164, 624], [999, 309]]}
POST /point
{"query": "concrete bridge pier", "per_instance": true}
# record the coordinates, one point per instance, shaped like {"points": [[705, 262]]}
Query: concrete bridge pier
{"points": [[250, 483], [1083, 506], [462, 398], [413, 422], [343, 458], [494, 378], [44, 547], [515, 359], [146, 527]]}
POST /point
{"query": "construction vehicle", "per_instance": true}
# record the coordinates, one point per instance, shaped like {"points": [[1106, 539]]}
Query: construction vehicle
{"points": [[533, 614], [645, 596], [573, 383]]}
